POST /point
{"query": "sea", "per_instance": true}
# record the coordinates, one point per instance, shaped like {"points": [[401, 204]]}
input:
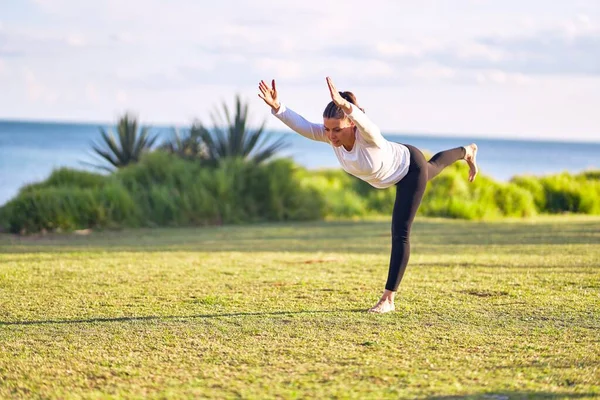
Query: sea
{"points": [[30, 151]]}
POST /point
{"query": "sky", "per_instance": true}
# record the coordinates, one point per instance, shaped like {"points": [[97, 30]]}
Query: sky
{"points": [[525, 69]]}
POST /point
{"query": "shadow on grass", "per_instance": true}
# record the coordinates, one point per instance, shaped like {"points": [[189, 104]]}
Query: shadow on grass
{"points": [[176, 317], [517, 395]]}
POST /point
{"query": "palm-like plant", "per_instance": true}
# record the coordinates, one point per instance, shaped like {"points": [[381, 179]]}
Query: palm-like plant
{"points": [[231, 137], [188, 146], [127, 147]]}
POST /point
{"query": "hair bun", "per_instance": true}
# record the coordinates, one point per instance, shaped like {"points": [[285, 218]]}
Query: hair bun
{"points": [[333, 111], [350, 97]]}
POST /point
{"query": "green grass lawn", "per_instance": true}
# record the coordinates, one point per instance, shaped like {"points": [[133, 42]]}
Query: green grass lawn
{"points": [[486, 310]]}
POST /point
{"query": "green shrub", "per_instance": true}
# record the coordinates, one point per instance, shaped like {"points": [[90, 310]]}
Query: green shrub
{"points": [[450, 195], [118, 206], [336, 189], [68, 177], [4, 215], [381, 201], [534, 186], [284, 195], [563, 193], [51, 208], [593, 175], [590, 197], [158, 168], [514, 201], [165, 190], [68, 208], [230, 184]]}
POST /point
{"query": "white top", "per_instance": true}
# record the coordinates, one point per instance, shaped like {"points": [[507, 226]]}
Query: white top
{"points": [[373, 158]]}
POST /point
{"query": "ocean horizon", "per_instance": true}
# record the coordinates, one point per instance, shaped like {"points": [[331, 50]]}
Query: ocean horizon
{"points": [[31, 150]]}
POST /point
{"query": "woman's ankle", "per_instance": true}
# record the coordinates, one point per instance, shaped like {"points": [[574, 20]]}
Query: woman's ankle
{"points": [[388, 295]]}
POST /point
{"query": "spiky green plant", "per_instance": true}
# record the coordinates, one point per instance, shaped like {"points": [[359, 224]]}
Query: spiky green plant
{"points": [[231, 137], [126, 147], [188, 145]]}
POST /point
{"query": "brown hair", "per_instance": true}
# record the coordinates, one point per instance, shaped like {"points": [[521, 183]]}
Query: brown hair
{"points": [[333, 111]]}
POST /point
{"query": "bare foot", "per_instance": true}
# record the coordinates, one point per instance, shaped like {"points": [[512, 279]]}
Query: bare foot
{"points": [[471, 159], [383, 306]]}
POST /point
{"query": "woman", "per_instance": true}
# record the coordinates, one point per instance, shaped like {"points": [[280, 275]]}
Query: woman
{"points": [[363, 152]]}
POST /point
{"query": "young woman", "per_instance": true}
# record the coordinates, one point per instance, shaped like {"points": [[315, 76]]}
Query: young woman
{"points": [[363, 152]]}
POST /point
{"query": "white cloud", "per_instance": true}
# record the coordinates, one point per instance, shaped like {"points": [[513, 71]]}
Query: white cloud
{"points": [[397, 49], [152, 55], [469, 51], [121, 97], [37, 91], [284, 69], [76, 40], [125, 38], [433, 72], [378, 68], [579, 26], [91, 92], [501, 78]]}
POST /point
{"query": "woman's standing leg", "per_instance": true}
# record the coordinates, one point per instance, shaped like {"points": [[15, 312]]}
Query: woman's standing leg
{"points": [[409, 192]]}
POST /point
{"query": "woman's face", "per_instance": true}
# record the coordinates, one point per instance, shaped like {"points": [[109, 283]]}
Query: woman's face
{"points": [[340, 132]]}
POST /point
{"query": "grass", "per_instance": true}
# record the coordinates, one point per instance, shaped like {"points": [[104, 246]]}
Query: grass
{"points": [[486, 310]]}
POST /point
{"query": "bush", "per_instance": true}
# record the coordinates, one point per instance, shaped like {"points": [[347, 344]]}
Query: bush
{"points": [[534, 186], [68, 208], [4, 215], [590, 197], [563, 193], [337, 190], [450, 195], [165, 190], [589, 175], [118, 205], [158, 168], [68, 177], [50, 208], [514, 201], [288, 199]]}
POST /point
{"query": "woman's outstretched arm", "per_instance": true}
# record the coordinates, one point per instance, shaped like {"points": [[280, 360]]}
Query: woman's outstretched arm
{"points": [[293, 120]]}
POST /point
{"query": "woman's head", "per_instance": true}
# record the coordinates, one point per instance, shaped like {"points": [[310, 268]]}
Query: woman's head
{"points": [[338, 127]]}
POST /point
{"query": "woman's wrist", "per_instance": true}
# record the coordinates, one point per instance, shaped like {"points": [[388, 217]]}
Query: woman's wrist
{"points": [[275, 107], [346, 107]]}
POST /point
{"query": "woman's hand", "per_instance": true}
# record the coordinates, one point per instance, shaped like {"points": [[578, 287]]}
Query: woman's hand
{"points": [[269, 95], [337, 97]]}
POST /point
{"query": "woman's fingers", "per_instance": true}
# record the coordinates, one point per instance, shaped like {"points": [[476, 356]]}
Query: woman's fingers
{"points": [[330, 84], [264, 91], [267, 91], [263, 86], [332, 90]]}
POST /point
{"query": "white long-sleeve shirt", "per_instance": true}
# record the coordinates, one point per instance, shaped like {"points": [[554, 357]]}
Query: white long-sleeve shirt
{"points": [[373, 158]]}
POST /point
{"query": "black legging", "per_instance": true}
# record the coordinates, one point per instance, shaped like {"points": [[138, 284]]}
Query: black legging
{"points": [[409, 192]]}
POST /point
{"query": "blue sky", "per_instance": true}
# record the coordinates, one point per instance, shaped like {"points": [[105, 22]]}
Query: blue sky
{"points": [[514, 69]]}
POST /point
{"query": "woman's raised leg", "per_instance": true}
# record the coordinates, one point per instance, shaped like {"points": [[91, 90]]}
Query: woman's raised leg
{"points": [[444, 158]]}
